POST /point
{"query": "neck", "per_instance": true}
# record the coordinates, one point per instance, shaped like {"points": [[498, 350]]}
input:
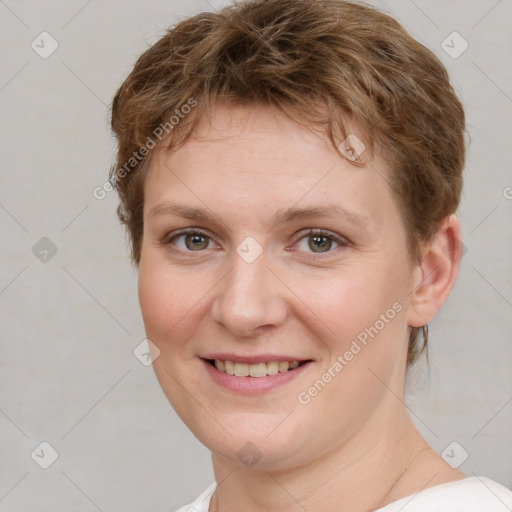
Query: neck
{"points": [[360, 474]]}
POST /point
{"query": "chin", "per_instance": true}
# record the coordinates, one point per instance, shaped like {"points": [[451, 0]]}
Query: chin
{"points": [[248, 440]]}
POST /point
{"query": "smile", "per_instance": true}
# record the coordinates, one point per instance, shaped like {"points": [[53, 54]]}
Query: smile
{"points": [[257, 370], [254, 378]]}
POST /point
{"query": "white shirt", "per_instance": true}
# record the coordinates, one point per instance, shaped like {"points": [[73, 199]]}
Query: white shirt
{"points": [[471, 494]]}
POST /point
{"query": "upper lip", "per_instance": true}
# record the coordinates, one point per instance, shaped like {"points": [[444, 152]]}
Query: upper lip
{"points": [[258, 358]]}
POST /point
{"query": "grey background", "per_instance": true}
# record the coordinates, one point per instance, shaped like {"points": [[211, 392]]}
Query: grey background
{"points": [[70, 324]]}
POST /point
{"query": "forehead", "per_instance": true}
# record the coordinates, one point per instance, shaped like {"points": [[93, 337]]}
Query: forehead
{"points": [[259, 158], [263, 132]]}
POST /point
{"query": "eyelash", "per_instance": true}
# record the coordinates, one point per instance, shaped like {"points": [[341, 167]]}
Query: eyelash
{"points": [[342, 242]]}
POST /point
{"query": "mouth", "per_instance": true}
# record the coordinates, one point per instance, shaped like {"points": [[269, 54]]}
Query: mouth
{"points": [[255, 370]]}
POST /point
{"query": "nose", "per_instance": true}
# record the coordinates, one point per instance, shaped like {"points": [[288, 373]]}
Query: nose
{"points": [[250, 299]]}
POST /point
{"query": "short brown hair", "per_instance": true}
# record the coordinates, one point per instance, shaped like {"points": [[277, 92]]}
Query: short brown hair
{"points": [[299, 55]]}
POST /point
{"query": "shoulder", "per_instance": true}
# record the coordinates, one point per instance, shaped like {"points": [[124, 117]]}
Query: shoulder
{"points": [[472, 494], [202, 502]]}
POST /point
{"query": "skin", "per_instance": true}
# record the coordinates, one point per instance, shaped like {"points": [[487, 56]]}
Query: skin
{"points": [[353, 443]]}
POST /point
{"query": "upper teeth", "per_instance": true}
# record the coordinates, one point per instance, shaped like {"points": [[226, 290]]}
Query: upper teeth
{"points": [[255, 370]]}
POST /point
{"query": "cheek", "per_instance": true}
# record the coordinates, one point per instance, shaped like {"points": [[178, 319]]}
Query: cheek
{"points": [[363, 325], [167, 300], [348, 301], [363, 341], [175, 303], [170, 303], [153, 300]]}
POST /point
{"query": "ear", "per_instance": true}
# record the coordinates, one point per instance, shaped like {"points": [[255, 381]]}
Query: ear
{"points": [[435, 276]]}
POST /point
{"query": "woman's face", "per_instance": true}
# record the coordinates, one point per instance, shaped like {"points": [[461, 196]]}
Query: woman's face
{"points": [[255, 282]]}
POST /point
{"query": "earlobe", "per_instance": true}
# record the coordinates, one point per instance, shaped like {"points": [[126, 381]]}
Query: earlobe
{"points": [[435, 276]]}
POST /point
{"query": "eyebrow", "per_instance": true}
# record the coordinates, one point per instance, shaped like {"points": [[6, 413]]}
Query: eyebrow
{"points": [[333, 211]]}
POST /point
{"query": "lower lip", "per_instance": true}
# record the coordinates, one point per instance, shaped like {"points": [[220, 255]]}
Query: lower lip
{"points": [[253, 385]]}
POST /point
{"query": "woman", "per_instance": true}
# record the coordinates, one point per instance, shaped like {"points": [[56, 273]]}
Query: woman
{"points": [[289, 173]]}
